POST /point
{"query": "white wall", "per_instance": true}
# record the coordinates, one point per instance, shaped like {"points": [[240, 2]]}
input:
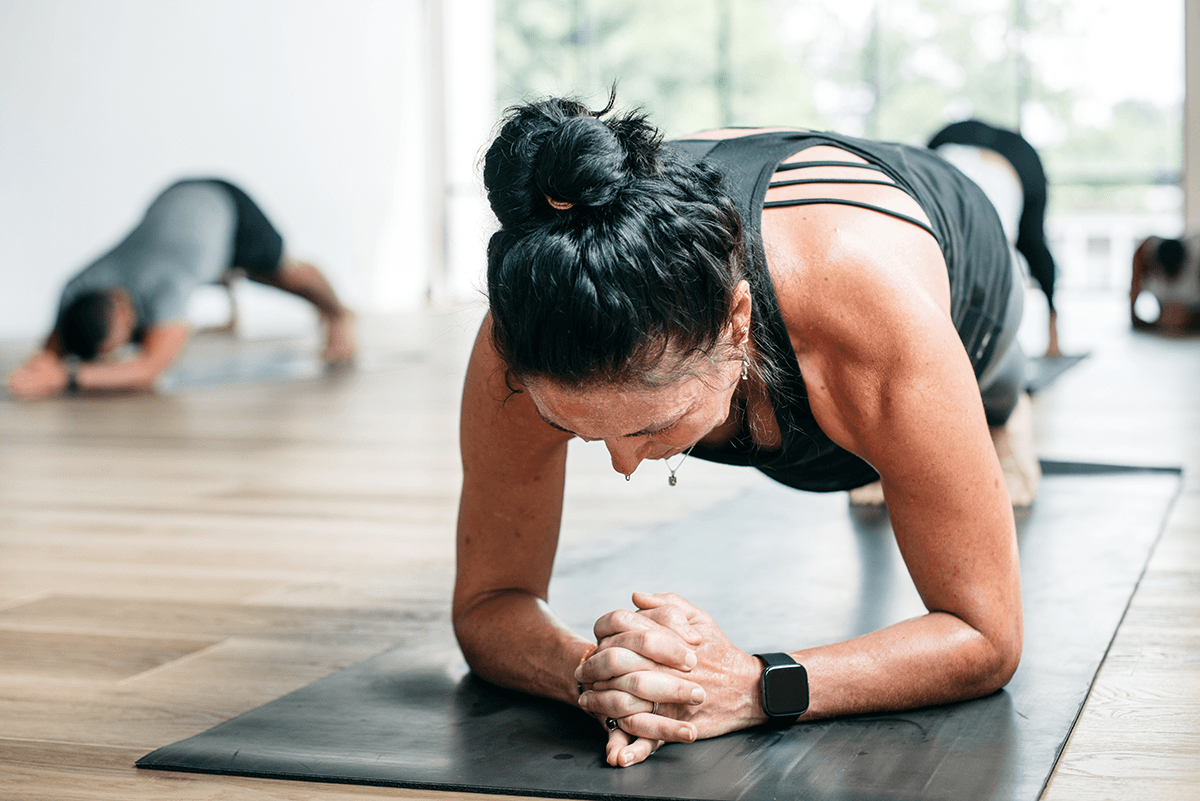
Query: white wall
{"points": [[316, 107], [471, 121]]}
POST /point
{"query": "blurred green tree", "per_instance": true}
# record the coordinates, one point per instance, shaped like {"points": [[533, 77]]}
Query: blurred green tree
{"points": [[896, 70]]}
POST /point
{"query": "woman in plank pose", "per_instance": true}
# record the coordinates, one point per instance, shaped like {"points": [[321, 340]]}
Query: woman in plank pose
{"points": [[828, 310]]}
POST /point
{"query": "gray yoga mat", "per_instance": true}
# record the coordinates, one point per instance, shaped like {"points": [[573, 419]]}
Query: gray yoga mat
{"points": [[1041, 372], [779, 570], [264, 365]]}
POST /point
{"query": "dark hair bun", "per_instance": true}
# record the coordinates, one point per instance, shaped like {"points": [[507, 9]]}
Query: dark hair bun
{"points": [[581, 162], [559, 148], [610, 245]]}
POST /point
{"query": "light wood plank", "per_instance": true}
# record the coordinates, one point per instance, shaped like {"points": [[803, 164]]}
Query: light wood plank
{"points": [[49, 771], [59, 655], [129, 617], [173, 559]]}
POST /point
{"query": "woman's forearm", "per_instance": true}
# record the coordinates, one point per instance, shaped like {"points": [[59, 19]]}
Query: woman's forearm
{"points": [[933, 659], [513, 639]]}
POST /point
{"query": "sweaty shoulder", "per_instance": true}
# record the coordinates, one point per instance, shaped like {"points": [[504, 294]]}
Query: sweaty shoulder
{"points": [[842, 268]]}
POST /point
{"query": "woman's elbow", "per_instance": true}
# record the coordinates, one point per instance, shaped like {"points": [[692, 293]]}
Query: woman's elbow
{"points": [[1008, 659], [468, 617], [466, 643], [1000, 663], [461, 618]]}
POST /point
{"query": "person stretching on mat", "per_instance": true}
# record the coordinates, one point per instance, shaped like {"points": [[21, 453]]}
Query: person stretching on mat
{"points": [[1169, 271], [195, 232], [825, 309], [1010, 171]]}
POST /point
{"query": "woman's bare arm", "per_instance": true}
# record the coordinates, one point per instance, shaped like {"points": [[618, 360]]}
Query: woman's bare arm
{"points": [[889, 380], [513, 478], [508, 521]]}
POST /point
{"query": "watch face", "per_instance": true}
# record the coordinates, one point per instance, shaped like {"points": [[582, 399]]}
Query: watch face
{"points": [[785, 690]]}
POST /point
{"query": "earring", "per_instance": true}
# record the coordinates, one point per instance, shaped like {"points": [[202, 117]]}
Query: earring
{"points": [[745, 358]]}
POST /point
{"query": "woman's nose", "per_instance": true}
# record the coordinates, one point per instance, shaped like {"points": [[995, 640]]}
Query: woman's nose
{"points": [[627, 454]]}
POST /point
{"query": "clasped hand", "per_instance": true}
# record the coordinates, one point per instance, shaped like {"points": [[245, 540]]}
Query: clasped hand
{"points": [[41, 376], [666, 673]]}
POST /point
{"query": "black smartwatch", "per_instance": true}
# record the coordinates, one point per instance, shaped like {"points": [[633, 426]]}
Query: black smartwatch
{"points": [[784, 688]]}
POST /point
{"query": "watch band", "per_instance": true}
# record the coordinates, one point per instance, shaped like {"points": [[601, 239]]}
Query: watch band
{"points": [[784, 688], [776, 660]]}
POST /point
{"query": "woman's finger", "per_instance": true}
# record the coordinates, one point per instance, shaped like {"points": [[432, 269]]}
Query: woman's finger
{"points": [[618, 740], [623, 750], [655, 687], [644, 725], [631, 752], [613, 703], [657, 644], [620, 704], [674, 618], [608, 663], [656, 600], [622, 620]]}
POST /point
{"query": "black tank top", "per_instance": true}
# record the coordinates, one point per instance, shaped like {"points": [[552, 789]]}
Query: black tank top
{"points": [[967, 230]]}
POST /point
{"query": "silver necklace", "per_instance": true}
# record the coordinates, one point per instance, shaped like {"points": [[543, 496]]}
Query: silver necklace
{"points": [[686, 454]]}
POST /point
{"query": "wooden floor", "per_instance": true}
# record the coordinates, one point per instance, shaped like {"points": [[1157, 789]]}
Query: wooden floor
{"points": [[170, 560]]}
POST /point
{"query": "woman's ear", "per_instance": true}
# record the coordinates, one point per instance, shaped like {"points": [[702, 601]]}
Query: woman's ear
{"points": [[740, 314]]}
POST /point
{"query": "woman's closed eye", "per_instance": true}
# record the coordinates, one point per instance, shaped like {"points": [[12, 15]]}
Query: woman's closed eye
{"points": [[650, 432]]}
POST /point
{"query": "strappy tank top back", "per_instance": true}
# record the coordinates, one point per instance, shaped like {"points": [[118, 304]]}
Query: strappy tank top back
{"points": [[961, 220]]}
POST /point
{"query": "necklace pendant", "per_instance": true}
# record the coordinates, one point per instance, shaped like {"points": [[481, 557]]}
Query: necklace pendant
{"points": [[671, 480]]}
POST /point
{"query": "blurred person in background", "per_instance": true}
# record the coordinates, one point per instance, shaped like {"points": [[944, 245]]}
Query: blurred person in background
{"points": [[195, 232]]}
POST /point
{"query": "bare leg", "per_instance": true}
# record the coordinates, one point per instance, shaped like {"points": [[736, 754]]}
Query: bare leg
{"points": [[1014, 447], [306, 281], [1013, 442], [230, 326], [1052, 349], [228, 282]]}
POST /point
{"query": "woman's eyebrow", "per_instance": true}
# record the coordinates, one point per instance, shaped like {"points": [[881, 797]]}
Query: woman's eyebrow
{"points": [[553, 424], [653, 428]]}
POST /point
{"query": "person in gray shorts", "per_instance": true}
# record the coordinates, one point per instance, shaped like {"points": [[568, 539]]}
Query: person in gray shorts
{"points": [[195, 232]]}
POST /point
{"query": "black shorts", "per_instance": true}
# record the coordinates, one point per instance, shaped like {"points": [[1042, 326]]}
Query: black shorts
{"points": [[257, 246]]}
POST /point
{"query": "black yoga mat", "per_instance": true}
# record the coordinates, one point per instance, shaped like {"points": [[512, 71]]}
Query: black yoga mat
{"points": [[1041, 372], [779, 570]]}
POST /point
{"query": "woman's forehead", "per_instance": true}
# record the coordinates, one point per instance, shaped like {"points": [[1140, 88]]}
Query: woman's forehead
{"points": [[613, 409]]}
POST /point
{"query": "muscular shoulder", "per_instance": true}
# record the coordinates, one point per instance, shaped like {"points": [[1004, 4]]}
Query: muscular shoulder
{"points": [[845, 275], [865, 298]]}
